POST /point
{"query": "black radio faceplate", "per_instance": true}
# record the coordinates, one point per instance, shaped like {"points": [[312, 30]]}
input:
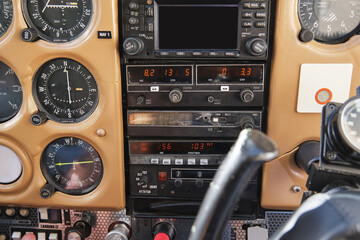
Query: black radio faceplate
{"points": [[159, 29]]}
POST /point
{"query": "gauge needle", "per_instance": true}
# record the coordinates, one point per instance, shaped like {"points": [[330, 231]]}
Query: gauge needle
{"points": [[68, 84], [73, 163], [45, 6]]}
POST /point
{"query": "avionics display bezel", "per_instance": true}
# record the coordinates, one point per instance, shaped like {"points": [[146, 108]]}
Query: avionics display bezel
{"points": [[227, 7]]}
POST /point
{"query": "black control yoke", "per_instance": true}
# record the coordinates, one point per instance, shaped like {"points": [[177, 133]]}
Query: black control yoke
{"points": [[251, 150]]}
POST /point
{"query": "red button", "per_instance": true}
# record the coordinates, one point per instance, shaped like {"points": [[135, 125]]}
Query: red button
{"points": [[162, 176], [161, 236]]}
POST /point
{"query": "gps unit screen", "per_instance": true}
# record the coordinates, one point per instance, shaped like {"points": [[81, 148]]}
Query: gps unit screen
{"points": [[198, 27]]}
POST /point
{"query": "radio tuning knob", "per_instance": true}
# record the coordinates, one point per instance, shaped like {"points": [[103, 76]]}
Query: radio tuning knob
{"points": [[256, 46], [133, 46], [47, 191], [247, 122], [29, 35], [246, 95], [175, 95]]}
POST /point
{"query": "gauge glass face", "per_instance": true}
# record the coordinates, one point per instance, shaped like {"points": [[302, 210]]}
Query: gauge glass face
{"points": [[72, 165], [10, 165], [349, 123], [65, 90], [330, 20], [10, 93], [6, 15], [58, 20]]}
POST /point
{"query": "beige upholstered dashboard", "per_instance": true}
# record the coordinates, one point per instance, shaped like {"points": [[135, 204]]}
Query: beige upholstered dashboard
{"points": [[286, 126], [103, 129]]}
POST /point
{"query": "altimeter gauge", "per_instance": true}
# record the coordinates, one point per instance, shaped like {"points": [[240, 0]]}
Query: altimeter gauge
{"points": [[331, 21]]}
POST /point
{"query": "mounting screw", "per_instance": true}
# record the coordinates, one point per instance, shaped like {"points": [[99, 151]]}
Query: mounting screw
{"points": [[330, 155], [296, 188]]}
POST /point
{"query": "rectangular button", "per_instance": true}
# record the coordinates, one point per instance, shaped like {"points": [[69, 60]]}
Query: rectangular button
{"points": [[197, 54], [231, 54], [260, 24], [263, 5], [149, 27], [224, 88], [154, 89], [255, 5], [16, 236], [166, 161], [41, 236], [43, 214], [53, 236], [154, 161], [162, 53], [247, 14], [246, 24], [260, 15], [180, 53], [204, 162], [179, 161], [191, 161], [246, 5], [149, 11]]}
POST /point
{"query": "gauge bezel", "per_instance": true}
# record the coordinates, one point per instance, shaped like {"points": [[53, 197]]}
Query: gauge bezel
{"points": [[334, 40], [341, 122], [30, 23], [50, 115], [57, 185], [11, 20], [9, 117]]}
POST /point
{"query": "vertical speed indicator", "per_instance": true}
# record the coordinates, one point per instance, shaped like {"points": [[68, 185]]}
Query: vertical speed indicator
{"points": [[65, 90], [331, 21]]}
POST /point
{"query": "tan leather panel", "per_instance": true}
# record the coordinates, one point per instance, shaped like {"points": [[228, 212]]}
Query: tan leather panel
{"points": [[285, 126], [101, 58]]}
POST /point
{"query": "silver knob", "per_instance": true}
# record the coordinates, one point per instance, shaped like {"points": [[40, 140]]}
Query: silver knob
{"points": [[120, 232]]}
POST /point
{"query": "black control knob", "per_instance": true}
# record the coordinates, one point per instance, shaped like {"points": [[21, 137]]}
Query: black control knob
{"points": [[163, 231], [47, 191], [199, 183], [133, 20], [29, 35], [118, 231], [38, 118], [306, 35], [79, 231], [246, 95], [247, 122], [133, 6], [140, 99], [256, 46], [133, 46], [178, 182], [144, 180], [175, 95]]}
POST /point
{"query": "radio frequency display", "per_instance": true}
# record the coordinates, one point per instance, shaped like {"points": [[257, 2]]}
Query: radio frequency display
{"points": [[230, 74], [159, 75]]}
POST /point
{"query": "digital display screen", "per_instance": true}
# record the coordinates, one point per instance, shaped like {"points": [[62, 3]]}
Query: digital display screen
{"points": [[198, 26], [229, 74], [195, 147], [160, 75]]}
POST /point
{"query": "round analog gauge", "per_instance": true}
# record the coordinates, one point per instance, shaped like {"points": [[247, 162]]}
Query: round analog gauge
{"points": [[72, 165], [10, 93], [10, 166], [6, 15], [58, 20], [65, 90], [330, 20], [349, 123]]}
